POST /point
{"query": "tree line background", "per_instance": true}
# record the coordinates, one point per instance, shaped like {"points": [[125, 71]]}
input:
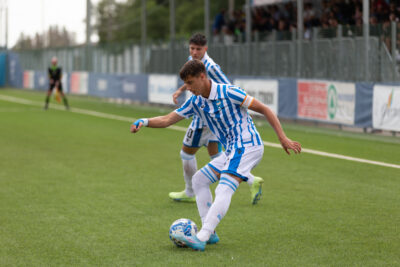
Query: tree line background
{"points": [[121, 22]]}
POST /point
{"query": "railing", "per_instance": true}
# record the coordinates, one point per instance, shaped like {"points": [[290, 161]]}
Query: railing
{"points": [[340, 58]]}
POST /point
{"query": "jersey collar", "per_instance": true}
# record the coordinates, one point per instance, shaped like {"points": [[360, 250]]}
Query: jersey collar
{"points": [[213, 91], [205, 57]]}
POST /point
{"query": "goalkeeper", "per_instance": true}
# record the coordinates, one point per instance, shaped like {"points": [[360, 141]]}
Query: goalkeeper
{"points": [[55, 75]]}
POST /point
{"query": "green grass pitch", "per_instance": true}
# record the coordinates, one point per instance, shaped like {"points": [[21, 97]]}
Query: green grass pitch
{"points": [[79, 190]]}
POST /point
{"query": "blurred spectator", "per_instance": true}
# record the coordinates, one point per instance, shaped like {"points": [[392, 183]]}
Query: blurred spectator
{"points": [[381, 12], [395, 9], [358, 14], [219, 22], [326, 14], [359, 27], [309, 15], [374, 28], [228, 37], [283, 33]]}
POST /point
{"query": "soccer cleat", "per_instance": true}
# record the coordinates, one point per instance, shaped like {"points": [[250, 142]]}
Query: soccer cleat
{"points": [[181, 196], [214, 239], [190, 241], [256, 189]]}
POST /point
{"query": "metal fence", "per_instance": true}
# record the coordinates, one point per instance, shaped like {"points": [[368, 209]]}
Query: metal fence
{"points": [[335, 59], [338, 58]]}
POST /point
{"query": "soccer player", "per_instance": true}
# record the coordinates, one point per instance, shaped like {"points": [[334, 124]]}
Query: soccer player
{"points": [[224, 109], [198, 134], [55, 75]]}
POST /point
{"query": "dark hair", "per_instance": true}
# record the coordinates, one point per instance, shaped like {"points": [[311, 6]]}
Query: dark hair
{"points": [[192, 68], [198, 39]]}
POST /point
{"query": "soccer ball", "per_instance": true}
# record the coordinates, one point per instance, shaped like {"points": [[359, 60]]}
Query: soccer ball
{"points": [[183, 227]]}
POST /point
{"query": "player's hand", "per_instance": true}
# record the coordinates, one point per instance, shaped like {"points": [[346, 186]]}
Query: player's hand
{"points": [[289, 144], [176, 95], [135, 127]]}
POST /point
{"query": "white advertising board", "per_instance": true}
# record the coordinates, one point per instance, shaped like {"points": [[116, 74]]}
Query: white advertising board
{"points": [[161, 88], [265, 91], [386, 107]]}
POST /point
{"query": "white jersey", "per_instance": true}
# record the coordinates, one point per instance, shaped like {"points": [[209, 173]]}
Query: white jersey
{"points": [[215, 73], [225, 113]]}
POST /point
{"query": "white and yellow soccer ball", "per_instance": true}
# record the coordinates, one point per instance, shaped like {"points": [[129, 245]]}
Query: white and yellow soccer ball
{"points": [[182, 227]]}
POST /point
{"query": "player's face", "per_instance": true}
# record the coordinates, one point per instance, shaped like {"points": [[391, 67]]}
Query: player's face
{"points": [[197, 51], [195, 84]]}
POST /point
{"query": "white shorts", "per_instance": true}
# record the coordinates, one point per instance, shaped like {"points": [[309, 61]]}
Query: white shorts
{"points": [[238, 162], [198, 137]]}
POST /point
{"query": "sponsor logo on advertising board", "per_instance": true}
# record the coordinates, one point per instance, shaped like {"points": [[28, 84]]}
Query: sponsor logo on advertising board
{"points": [[79, 83], [28, 79], [386, 108], [102, 84], [266, 91], [326, 101], [161, 88], [129, 88], [42, 81]]}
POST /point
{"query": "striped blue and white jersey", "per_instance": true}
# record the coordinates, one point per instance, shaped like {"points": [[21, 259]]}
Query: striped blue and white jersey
{"points": [[215, 73], [225, 113]]}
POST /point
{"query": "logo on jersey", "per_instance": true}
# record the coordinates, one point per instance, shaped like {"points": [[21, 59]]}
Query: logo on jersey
{"points": [[218, 103]]}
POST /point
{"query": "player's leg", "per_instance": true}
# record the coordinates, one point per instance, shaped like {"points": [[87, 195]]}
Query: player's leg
{"points": [[214, 149], [223, 194], [189, 165], [60, 90], [191, 144], [202, 180], [255, 183], [237, 168], [48, 94]]}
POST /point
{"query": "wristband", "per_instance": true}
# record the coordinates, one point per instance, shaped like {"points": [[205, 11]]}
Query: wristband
{"points": [[145, 122]]}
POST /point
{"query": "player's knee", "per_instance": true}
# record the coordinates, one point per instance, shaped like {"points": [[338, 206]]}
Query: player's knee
{"points": [[187, 156], [222, 189], [204, 177], [197, 181], [187, 162], [227, 185]]}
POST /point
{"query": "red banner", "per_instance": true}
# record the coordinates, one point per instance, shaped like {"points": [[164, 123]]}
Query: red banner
{"points": [[311, 100]]}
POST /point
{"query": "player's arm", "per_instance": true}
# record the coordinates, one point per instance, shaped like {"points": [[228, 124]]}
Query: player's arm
{"points": [[286, 143], [178, 93], [157, 122]]}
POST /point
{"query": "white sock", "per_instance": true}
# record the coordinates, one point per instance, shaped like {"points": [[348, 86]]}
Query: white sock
{"points": [[204, 235], [189, 164], [223, 195], [250, 180], [201, 186]]}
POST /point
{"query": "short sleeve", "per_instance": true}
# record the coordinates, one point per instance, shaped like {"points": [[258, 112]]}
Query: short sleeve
{"points": [[239, 97], [186, 110]]}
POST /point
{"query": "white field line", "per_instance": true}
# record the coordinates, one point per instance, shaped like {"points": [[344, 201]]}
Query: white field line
{"points": [[183, 129]]}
